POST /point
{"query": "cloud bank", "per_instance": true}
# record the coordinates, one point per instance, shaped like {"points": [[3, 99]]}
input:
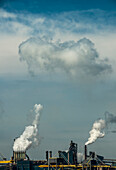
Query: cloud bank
{"points": [[72, 55], [73, 58], [73, 22]]}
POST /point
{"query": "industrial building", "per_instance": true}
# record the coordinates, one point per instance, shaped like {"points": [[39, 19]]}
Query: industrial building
{"points": [[66, 160]]}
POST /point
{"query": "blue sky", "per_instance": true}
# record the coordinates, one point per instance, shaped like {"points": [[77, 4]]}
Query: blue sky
{"points": [[47, 6], [60, 54]]}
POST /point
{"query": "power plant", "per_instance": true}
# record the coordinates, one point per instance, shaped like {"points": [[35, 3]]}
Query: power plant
{"points": [[66, 160]]}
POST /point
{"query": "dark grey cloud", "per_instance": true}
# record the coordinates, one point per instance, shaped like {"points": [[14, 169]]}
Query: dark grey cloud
{"points": [[113, 131], [73, 58]]}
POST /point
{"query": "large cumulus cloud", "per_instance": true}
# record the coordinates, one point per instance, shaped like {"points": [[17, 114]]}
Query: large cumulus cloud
{"points": [[74, 58]]}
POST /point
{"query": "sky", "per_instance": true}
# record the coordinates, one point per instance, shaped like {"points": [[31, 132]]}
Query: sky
{"points": [[60, 54]]}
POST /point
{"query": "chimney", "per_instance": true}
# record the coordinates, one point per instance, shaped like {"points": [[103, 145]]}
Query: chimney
{"points": [[19, 155], [85, 152], [47, 155], [50, 154]]}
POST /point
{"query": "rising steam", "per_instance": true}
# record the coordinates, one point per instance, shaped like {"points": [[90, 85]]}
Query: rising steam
{"points": [[96, 131], [30, 133], [99, 126], [80, 157]]}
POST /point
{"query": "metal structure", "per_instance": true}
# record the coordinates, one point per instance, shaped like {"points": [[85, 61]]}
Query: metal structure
{"points": [[19, 156], [66, 160], [69, 156]]}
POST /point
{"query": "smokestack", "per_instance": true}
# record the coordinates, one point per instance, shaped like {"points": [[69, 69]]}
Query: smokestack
{"points": [[76, 153], [85, 152], [19, 156], [47, 155], [50, 154]]}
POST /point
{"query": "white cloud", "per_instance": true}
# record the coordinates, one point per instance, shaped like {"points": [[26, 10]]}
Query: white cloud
{"points": [[9, 58], [4, 14], [71, 57]]}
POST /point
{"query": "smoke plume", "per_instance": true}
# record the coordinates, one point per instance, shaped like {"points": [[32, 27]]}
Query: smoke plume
{"points": [[30, 133], [80, 157], [110, 118], [97, 131], [99, 126], [73, 58]]}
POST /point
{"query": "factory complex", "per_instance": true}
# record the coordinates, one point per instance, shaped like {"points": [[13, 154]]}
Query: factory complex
{"points": [[66, 160]]}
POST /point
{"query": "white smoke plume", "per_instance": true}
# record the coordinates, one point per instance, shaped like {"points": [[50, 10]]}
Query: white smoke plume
{"points": [[99, 126], [30, 133], [97, 131], [80, 157], [73, 58]]}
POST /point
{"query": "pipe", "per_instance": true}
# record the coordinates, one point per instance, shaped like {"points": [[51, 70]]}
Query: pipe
{"points": [[27, 156]]}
